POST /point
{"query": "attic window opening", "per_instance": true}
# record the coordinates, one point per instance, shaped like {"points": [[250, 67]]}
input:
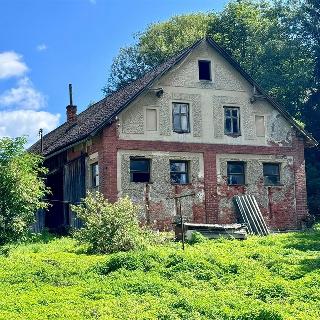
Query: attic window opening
{"points": [[204, 70]]}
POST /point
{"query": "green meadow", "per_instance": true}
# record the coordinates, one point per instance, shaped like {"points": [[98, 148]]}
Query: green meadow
{"points": [[275, 277]]}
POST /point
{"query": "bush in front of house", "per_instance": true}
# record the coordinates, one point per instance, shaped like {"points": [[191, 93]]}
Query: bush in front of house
{"points": [[21, 189], [108, 227]]}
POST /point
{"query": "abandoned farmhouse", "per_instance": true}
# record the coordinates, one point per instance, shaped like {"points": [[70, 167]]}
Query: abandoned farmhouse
{"points": [[196, 125]]}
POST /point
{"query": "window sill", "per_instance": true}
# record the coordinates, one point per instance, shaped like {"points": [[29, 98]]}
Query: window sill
{"points": [[274, 185], [181, 184], [233, 135], [181, 132], [135, 182]]}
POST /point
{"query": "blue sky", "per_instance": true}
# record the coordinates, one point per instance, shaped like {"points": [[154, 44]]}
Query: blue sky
{"points": [[47, 44]]}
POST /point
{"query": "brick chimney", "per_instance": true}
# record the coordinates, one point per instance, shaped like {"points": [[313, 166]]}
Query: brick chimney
{"points": [[71, 109]]}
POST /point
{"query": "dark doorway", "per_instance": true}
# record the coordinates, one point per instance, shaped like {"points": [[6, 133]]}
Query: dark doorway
{"points": [[55, 216]]}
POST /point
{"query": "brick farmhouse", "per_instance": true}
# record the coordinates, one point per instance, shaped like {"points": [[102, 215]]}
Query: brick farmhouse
{"points": [[197, 124]]}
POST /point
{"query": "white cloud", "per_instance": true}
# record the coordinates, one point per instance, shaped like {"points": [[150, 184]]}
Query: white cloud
{"points": [[27, 122], [41, 47], [24, 96], [11, 65], [21, 106]]}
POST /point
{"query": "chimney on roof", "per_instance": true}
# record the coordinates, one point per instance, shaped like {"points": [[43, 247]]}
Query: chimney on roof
{"points": [[71, 109]]}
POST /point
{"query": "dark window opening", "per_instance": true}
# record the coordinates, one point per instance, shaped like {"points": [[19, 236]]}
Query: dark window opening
{"points": [[235, 172], [94, 175], [179, 172], [180, 117], [139, 170], [204, 70], [271, 174], [232, 120]]}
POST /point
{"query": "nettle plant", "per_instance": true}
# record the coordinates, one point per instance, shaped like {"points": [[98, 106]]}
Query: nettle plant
{"points": [[108, 227]]}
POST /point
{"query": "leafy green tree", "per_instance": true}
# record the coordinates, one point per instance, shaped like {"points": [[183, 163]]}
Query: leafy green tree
{"points": [[310, 32], [128, 66], [21, 189]]}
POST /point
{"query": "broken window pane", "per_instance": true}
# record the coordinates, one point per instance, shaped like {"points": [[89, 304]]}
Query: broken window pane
{"points": [[94, 175], [235, 173], [180, 117], [271, 173], [139, 170], [179, 172], [232, 120]]}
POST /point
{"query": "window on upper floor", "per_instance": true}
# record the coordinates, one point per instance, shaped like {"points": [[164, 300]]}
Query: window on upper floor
{"points": [[271, 174], [236, 172], [204, 70], [179, 172], [94, 169], [139, 170], [231, 120], [180, 117]]}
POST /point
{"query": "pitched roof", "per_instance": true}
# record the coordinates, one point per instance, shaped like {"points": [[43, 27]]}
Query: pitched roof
{"points": [[102, 113]]}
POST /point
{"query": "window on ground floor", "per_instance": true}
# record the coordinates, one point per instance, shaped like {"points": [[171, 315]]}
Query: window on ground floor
{"points": [[94, 175], [271, 174], [139, 170], [236, 172], [179, 172]]}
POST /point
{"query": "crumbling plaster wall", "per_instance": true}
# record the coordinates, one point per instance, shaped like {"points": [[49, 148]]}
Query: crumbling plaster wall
{"points": [[206, 100], [277, 203], [160, 208]]}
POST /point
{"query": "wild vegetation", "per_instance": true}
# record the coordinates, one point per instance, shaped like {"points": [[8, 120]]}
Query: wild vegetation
{"points": [[276, 41], [21, 189], [275, 277], [108, 227]]}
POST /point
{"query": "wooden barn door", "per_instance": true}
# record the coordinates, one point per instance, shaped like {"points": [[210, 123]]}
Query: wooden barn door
{"points": [[74, 183]]}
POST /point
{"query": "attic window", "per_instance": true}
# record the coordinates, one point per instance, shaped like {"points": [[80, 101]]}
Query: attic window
{"points": [[204, 70]]}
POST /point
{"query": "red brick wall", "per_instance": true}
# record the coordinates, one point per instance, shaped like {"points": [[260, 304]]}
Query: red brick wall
{"points": [[281, 215]]}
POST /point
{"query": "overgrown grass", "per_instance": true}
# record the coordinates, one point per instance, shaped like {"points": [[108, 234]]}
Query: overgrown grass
{"points": [[275, 277]]}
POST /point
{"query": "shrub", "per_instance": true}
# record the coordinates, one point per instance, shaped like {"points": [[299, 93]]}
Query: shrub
{"points": [[108, 227], [21, 189], [197, 237]]}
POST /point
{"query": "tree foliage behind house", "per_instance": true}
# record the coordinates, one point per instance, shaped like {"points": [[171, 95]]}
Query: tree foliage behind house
{"points": [[276, 41], [21, 189]]}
